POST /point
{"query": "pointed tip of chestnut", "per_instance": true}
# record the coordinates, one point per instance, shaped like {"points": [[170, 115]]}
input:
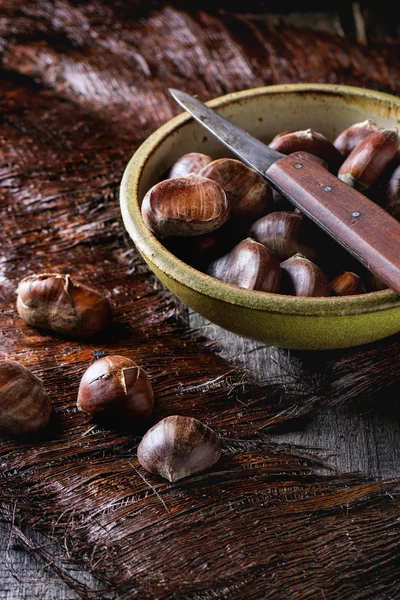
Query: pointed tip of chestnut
{"points": [[349, 139], [177, 447], [249, 265], [249, 194], [353, 182], [185, 206], [366, 163]]}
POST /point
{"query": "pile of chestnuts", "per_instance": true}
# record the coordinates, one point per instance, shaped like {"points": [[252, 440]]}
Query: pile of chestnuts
{"points": [[223, 218], [114, 390]]}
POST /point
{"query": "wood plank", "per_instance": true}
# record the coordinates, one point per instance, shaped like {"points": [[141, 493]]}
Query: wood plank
{"points": [[23, 576], [351, 441]]}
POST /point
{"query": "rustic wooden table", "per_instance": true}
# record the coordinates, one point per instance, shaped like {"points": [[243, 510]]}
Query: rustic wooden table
{"points": [[48, 64], [352, 441]]}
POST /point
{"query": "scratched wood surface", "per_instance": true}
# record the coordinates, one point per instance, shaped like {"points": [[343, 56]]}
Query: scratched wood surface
{"points": [[83, 85]]}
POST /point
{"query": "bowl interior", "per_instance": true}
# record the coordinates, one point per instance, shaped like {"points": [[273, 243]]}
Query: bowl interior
{"points": [[267, 111], [263, 112]]}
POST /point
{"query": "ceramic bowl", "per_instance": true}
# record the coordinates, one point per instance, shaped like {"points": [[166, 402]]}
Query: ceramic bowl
{"points": [[285, 321]]}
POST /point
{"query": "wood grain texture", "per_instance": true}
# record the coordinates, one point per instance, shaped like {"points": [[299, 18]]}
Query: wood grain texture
{"points": [[83, 84], [25, 574], [352, 436]]}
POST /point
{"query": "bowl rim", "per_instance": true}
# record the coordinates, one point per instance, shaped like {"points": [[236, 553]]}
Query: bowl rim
{"points": [[152, 249]]}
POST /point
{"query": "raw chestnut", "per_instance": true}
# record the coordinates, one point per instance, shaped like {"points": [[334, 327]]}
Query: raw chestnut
{"points": [[115, 387], [249, 194], [347, 284], [249, 265], [309, 141], [188, 164], [183, 206], [56, 302], [349, 139], [301, 277], [24, 405], [370, 158], [280, 134], [177, 447], [392, 202], [285, 234]]}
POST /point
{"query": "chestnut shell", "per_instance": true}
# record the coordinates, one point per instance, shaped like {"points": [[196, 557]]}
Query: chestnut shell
{"points": [[115, 387], [59, 303], [249, 265], [301, 277], [177, 447], [24, 404]]}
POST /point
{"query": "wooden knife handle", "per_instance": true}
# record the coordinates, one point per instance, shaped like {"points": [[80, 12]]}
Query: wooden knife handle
{"points": [[365, 229]]}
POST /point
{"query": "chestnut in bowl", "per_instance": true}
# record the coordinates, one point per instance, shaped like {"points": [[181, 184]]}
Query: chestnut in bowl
{"points": [[281, 320]]}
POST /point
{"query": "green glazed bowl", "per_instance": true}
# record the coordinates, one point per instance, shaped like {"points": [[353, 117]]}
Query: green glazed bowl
{"points": [[285, 321]]}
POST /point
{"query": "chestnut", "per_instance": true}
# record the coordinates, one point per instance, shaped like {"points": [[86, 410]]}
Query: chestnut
{"points": [[116, 388], [347, 284], [349, 139], [249, 265], [309, 141], [392, 201], [370, 158], [280, 134], [285, 234], [177, 447], [249, 194], [188, 164], [183, 206], [59, 303], [24, 404], [301, 277]]}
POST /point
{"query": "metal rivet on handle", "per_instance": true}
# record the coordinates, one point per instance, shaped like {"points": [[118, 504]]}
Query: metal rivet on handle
{"points": [[356, 214], [298, 166], [327, 188]]}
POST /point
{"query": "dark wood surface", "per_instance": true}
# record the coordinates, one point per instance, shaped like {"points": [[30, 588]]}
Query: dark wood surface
{"points": [[357, 440], [83, 84]]}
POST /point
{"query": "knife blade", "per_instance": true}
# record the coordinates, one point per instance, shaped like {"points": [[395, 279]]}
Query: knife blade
{"points": [[365, 229]]}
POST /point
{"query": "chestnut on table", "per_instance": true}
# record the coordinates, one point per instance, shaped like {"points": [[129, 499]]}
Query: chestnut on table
{"points": [[114, 389], [178, 447], [25, 407]]}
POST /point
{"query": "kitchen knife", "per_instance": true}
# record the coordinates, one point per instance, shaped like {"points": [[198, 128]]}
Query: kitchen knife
{"points": [[365, 229]]}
